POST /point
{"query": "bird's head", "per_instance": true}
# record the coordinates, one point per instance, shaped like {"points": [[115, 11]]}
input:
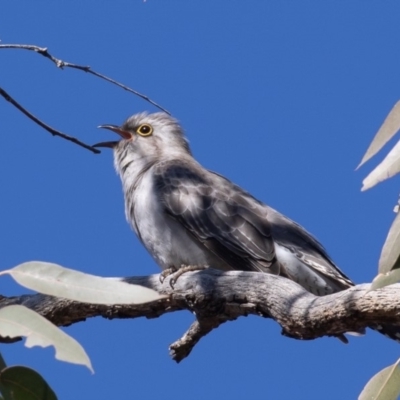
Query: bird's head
{"points": [[147, 137]]}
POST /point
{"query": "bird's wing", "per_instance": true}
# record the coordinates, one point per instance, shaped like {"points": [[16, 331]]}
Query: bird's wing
{"points": [[218, 214], [308, 250], [314, 260], [241, 231]]}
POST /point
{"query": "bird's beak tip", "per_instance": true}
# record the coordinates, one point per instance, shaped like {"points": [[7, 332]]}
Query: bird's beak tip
{"points": [[110, 145], [108, 126]]}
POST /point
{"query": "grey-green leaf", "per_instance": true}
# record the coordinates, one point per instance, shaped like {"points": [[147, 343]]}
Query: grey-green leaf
{"points": [[55, 280], [382, 280], [385, 385], [389, 258], [18, 321], [7, 394], [386, 169], [2, 363], [26, 384], [388, 129]]}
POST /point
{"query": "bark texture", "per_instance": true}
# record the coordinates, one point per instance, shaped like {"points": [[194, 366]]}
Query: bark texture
{"points": [[216, 297]]}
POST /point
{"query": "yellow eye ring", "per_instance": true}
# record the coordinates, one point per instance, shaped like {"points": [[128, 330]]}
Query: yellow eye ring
{"points": [[144, 130]]}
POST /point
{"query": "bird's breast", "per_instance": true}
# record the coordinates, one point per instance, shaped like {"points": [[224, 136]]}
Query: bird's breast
{"points": [[165, 238]]}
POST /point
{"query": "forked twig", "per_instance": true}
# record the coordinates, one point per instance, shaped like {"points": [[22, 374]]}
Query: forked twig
{"points": [[61, 64]]}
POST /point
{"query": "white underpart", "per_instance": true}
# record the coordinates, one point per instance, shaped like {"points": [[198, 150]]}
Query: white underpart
{"points": [[166, 240]]}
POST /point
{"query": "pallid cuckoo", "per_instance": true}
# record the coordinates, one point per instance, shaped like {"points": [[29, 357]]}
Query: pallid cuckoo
{"points": [[190, 218]]}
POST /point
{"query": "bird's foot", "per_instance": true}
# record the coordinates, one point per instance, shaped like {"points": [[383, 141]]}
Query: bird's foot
{"points": [[167, 272], [182, 270]]}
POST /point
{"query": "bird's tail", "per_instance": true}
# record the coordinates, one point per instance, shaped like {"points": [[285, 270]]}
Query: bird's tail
{"points": [[390, 331]]}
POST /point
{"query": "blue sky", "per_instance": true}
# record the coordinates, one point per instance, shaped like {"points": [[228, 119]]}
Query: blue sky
{"points": [[282, 97]]}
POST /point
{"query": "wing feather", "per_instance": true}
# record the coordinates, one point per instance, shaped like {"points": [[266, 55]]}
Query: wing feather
{"points": [[208, 208], [240, 230]]}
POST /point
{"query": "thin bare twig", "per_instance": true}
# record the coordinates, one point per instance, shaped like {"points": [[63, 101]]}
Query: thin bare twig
{"points": [[48, 128], [61, 64]]}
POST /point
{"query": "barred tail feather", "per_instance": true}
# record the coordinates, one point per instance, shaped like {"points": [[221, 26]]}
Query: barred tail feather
{"points": [[390, 331]]}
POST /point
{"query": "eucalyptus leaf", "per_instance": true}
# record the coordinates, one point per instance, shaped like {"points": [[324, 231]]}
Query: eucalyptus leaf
{"points": [[382, 280], [26, 384], [389, 258], [4, 390], [2, 363], [54, 280], [18, 321], [385, 385], [388, 129], [389, 167]]}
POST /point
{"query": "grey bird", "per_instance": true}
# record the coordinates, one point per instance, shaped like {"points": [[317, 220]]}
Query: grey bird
{"points": [[188, 217]]}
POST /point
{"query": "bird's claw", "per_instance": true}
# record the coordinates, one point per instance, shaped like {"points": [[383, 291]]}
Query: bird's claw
{"points": [[178, 272], [166, 272], [183, 269], [172, 282]]}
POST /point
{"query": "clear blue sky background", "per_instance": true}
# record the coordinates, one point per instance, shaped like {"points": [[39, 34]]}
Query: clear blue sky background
{"points": [[282, 97]]}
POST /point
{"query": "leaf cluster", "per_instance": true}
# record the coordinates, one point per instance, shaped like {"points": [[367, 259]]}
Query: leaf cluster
{"points": [[385, 385]]}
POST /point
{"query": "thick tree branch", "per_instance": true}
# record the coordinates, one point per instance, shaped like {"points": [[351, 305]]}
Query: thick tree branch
{"points": [[216, 297]]}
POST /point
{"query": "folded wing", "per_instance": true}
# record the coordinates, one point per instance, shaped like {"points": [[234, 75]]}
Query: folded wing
{"points": [[227, 221]]}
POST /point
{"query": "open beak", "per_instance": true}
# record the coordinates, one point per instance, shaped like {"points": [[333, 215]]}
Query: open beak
{"points": [[116, 129]]}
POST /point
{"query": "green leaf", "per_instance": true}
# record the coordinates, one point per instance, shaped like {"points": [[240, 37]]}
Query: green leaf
{"points": [[385, 385], [389, 167], [382, 280], [388, 129], [3, 389], [26, 384], [2, 363], [389, 258], [55, 280], [18, 321]]}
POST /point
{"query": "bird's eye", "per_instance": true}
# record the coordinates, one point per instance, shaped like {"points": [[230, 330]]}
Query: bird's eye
{"points": [[144, 130]]}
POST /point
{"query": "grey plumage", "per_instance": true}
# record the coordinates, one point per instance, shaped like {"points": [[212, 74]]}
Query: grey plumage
{"points": [[185, 214]]}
